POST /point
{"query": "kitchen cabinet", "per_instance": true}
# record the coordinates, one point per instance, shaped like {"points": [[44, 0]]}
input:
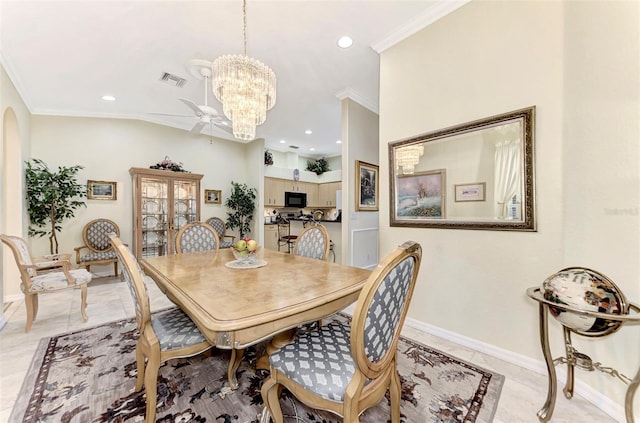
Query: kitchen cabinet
{"points": [[271, 237], [274, 192], [312, 193], [163, 202], [327, 194]]}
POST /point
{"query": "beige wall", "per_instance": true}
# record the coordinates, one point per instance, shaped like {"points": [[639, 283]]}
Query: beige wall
{"points": [[108, 148], [359, 141], [568, 60], [15, 130]]}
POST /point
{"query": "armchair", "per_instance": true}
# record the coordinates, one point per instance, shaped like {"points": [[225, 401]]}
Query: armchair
{"points": [[221, 229], [95, 235], [49, 274]]}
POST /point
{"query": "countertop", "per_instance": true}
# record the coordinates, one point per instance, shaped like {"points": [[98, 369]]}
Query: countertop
{"points": [[297, 219]]}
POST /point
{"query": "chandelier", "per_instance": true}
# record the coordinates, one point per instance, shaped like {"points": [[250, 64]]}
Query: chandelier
{"points": [[408, 157], [246, 88]]}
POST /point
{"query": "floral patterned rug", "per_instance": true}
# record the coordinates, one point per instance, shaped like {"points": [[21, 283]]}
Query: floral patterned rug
{"points": [[89, 376]]}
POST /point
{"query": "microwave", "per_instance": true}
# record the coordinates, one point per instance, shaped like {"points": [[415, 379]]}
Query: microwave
{"points": [[295, 199]]}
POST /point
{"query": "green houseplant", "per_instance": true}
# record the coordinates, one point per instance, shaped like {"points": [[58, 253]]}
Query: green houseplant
{"points": [[242, 203], [52, 197], [318, 166]]}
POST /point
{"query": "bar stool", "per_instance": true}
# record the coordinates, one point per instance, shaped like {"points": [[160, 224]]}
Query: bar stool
{"points": [[285, 238]]}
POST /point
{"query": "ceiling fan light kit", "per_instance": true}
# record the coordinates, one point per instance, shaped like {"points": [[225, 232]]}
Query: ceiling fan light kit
{"points": [[246, 88]]}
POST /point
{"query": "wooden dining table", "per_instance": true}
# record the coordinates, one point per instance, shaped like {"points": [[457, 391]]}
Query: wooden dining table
{"points": [[237, 306]]}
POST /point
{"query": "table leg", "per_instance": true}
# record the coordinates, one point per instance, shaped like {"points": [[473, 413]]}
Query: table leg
{"points": [[278, 341], [234, 363], [544, 415]]}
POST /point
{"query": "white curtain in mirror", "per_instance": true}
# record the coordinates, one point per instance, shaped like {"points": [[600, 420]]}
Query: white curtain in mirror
{"points": [[507, 175]]}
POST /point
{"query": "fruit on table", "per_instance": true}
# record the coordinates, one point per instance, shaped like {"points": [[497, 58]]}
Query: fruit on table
{"points": [[240, 245], [252, 245]]}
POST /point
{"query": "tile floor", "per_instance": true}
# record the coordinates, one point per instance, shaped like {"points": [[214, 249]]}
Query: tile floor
{"points": [[522, 395]]}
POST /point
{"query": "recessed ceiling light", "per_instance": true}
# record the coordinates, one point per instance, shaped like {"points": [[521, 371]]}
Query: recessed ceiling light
{"points": [[308, 132], [339, 142], [283, 142], [108, 98], [312, 149], [345, 41]]}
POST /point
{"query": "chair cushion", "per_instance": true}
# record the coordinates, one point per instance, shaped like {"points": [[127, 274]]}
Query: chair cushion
{"points": [[226, 244], [105, 255], [319, 360], [175, 329], [57, 280]]}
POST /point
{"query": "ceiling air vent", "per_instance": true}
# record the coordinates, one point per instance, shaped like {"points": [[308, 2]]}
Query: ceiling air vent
{"points": [[173, 80], [295, 147]]}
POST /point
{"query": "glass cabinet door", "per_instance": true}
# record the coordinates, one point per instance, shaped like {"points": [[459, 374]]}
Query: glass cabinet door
{"points": [[164, 201], [155, 222]]}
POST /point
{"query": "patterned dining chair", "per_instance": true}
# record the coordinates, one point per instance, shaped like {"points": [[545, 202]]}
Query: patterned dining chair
{"points": [[221, 229], [312, 242], [161, 336], [352, 365], [95, 236], [196, 236], [50, 274]]}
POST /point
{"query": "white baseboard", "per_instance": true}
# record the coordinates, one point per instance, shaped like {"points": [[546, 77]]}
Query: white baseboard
{"points": [[3, 321], [593, 396]]}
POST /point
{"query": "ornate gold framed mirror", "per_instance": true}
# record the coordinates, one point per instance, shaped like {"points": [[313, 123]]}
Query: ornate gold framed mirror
{"points": [[477, 175]]}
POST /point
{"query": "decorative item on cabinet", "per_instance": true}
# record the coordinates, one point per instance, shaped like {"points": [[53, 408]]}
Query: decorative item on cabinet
{"points": [[163, 202], [167, 164]]}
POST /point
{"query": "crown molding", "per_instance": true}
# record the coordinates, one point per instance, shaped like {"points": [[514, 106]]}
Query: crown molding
{"points": [[355, 96], [437, 11], [16, 81]]}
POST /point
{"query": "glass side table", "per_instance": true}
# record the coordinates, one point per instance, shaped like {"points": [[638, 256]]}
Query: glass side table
{"points": [[604, 310]]}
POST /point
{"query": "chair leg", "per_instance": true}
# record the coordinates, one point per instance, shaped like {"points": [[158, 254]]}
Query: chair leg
{"points": [[140, 366], [151, 385], [31, 302], [271, 399], [115, 268], [83, 302], [395, 392]]}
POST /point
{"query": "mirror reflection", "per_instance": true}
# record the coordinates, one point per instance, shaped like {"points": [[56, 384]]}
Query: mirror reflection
{"points": [[478, 175]]}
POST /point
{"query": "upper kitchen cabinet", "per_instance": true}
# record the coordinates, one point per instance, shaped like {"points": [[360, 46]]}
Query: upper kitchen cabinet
{"points": [[274, 192], [327, 194]]}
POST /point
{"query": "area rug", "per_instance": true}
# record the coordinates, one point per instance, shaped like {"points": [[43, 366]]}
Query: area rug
{"points": [[89, 376]]}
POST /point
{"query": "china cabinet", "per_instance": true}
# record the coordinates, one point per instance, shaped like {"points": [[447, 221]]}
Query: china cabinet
{"points": [[163, 202]]}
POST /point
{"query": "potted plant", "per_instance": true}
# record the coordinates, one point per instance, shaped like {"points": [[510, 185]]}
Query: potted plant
{"points": [[242, 203], [52, 197], [268, 158], [318, 166]]}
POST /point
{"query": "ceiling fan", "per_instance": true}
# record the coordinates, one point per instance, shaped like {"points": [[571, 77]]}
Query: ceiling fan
{"points": [[205, 114]]}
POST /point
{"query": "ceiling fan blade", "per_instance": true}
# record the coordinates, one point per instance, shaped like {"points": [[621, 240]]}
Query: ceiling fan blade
{"points": [[169, 114], [198, 127], [193, 106], [226, 128]]}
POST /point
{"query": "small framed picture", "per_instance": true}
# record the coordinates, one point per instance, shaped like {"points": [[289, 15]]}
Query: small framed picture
{"points": [[470, 192], [212, 196], [102, 190], [366, 186]]}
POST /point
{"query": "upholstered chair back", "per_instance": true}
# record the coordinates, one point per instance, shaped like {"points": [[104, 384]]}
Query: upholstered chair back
{"points": [[197, 236], [96, 234], [134, 278], [312, 242]]}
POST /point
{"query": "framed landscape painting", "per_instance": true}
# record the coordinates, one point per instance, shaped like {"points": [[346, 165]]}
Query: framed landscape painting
{"points": [[101, 190], [418, 197], [366, 186]]}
